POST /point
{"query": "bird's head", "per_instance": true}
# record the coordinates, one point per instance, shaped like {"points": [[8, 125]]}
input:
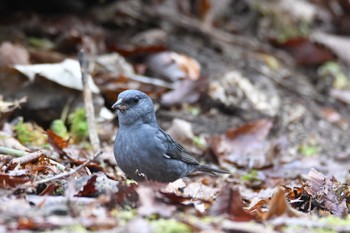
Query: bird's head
{"points": [[134, 107]]}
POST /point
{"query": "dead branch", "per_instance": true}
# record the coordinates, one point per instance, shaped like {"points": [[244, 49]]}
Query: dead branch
{"points": [[71, 172], [89, 107]]}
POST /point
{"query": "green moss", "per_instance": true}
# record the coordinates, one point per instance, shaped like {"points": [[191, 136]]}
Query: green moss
{"points": [[41, 43], [307, 150], [336, 221], [78, 125], [334, 71], [30, 134], [324, 230], [23, 133], [59, 191], [125, 215], [250, 176], [195, 111], [72, 228], [199, 142], [170, 226], [59, 128]]}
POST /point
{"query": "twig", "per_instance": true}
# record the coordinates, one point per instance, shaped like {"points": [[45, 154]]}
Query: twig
{"points": [[13, 152], [66, 108], [24, 157], [90, 113], [59, 176], [28, 157], [153, 81]]}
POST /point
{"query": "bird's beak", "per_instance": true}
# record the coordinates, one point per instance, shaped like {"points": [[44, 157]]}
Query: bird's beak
{"points": [[120, 105]]}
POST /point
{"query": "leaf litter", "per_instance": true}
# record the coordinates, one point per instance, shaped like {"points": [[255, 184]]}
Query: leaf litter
{"points": [[281, 133]]}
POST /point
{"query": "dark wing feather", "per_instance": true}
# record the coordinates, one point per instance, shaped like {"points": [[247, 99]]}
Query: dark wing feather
{"points": [[175, 150]]}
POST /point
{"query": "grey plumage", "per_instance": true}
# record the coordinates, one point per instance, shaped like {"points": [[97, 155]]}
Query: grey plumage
{"points": [[143, 150]]}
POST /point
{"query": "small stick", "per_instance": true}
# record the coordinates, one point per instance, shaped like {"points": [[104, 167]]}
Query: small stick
{"points": [[90, 113], [13, 152], [28, 157], [59, 176], [153, 81], [24, 157]]}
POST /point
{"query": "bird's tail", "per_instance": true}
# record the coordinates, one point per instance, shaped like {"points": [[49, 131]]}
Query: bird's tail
{"points": [[206, 168]]}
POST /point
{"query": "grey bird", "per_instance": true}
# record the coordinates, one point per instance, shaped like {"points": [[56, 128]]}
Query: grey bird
{"points": [[143, 150]]}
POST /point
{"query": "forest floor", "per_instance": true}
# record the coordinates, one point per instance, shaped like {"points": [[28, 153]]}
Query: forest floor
{"points": [[259, 89]]}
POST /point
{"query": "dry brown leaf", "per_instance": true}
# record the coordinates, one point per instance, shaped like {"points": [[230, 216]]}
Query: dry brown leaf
{"points": [[95, 185], [150, 204], [187, 64], [57, 142], [306, 52], [280, 206], [11, 181], [174, 66], [244, 146], [229, 201], [197, 194]]}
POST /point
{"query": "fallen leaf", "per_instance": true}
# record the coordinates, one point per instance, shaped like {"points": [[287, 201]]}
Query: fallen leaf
{"points": [[95, 185], [229, 202], [279, 206], [305, 51], [89, 188], [57, 142], [183, 71], [150, 204], [339, 45], [66, 73], [25, 223], [187, 64], [10, 181], [49, 190], [299, 198], [126, 196], [245, 146], [181, 131], [197, 194], [174, 66]]}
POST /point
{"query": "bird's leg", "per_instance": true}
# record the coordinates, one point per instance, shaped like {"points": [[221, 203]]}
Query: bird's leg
{"points": [[141, 174]]}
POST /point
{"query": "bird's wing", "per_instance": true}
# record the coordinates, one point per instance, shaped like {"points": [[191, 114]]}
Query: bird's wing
{"points": [[174, 150]]}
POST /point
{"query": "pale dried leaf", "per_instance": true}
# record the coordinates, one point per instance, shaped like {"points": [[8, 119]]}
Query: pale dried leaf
{"points": [[66, 73]]}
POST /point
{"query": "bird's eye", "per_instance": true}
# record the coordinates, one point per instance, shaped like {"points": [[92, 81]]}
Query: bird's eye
{"points": [[135, 100]]}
